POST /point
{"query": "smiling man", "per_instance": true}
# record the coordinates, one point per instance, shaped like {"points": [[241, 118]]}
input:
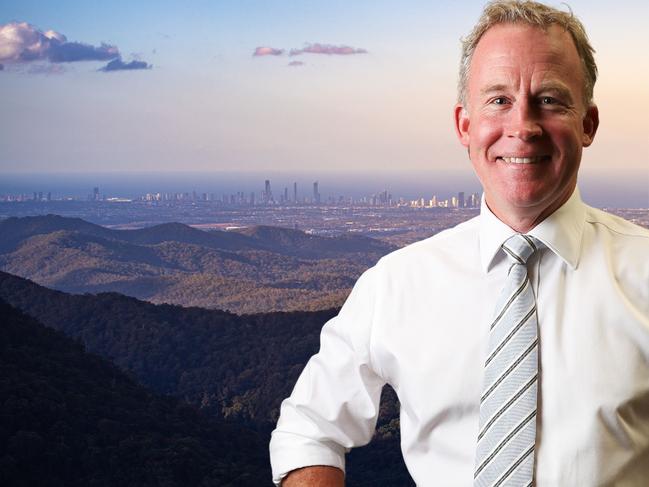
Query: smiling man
{"points": [[517, 342], [526, 114]]}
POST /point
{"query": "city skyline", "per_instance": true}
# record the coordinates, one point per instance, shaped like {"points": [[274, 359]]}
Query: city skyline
{"points": [[603, 192], [263, 197], [252, 86]]}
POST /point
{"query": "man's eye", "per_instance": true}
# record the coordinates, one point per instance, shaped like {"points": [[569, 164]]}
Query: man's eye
{"points": [[501, 100], [548, 100]]}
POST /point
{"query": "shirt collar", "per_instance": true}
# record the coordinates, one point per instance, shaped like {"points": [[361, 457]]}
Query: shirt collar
{"points": [[561, 232]]}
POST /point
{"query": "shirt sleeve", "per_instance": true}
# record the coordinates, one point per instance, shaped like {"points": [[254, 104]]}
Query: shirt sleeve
{"points": [[334, 405]]}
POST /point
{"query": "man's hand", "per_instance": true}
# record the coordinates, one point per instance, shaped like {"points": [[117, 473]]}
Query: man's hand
{"points": [[318, 476]]}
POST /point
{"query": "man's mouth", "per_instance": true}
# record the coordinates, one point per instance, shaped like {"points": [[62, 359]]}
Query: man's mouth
{"points": [[523, 160]]}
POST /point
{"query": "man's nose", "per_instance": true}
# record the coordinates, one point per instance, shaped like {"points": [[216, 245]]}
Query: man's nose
{"points": [[524, 123]]}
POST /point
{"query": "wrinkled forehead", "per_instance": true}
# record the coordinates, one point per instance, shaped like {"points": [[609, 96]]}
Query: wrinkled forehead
{"points": [[515, 53]]}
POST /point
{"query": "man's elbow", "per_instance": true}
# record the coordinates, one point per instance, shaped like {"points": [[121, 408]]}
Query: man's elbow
{"points": [[316, 476]]}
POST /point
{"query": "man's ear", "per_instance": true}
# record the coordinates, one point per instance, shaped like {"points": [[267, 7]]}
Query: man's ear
{"points": [[462, 124], [591, 122]]}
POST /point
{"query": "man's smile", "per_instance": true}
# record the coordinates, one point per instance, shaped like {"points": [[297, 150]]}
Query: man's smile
{"points": [[523, 160]]}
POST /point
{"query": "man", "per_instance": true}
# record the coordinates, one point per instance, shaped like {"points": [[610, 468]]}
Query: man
{"points": [[543, 383]]}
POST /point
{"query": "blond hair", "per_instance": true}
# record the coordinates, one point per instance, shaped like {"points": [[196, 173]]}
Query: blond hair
{"points": [[535, 14]]}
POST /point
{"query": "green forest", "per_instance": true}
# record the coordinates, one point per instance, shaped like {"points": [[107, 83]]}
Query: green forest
{"points": [[214, 369]]}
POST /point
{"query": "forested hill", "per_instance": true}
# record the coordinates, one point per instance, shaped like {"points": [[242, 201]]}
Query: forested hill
{"points": [[236, 368], [71, 418], [259, 237], [258, 269], [232, 366]]}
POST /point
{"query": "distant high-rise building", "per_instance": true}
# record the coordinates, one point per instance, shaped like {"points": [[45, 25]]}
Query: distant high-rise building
{"points": [[316, 193], [268, 193], [286, 194], [95, 194], [295, 193], [49, 196], [460, 199], [384, 198]]}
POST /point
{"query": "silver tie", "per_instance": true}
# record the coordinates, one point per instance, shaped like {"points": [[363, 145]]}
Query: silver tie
{"points": [[505, 450]]}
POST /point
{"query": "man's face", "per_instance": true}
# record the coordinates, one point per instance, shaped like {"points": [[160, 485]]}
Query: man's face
{"points": [[525, 123]]}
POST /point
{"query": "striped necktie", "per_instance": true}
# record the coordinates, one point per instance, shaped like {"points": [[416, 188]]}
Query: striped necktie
{"points": [[505, 450]]}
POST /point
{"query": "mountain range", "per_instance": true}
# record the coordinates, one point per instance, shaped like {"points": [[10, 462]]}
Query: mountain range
{"points": [[236, 369], [71, 418], [257, 269]]}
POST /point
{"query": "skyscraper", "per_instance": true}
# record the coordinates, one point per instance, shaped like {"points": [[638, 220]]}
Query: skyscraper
{"points": [[295, 193], [316, 194], [268, 194], [460, 199]]}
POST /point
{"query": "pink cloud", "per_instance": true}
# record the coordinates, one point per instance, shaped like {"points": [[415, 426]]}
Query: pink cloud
{"points": [[21, 42], [296, 63], [267, 51], [327, 49]]}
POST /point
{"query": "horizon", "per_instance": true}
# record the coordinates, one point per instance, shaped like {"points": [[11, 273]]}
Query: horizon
{"points": [[597, 188]]}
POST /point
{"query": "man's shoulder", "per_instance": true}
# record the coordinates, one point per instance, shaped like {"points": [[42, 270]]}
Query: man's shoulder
{"points": [[626, 247], [617, 227], [626, 244]]}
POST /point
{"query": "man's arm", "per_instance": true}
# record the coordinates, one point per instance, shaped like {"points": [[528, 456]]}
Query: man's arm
{"points": [[319, 476], [335, 402]]}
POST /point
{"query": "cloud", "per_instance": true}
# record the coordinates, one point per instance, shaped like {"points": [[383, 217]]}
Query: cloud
{"points": [[296, 63], [327, 49], [70, 52], [119, 65], [267, 51], [22, 43]]}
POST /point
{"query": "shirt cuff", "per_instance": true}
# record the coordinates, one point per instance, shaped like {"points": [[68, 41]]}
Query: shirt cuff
{"points": [[289, 451]]}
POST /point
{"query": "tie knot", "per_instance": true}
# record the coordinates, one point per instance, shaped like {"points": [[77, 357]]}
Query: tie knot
{"points": [[520, 247]]}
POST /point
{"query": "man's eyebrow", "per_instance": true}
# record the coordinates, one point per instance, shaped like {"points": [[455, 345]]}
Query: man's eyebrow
{"points": [[556, 89], [498, 88]]}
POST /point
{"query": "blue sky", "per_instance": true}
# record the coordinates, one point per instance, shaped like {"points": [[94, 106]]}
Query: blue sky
{"points": [[208, 104]]}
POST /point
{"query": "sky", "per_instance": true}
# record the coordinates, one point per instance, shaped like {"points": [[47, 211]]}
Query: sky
{"points": [[335, 86]]}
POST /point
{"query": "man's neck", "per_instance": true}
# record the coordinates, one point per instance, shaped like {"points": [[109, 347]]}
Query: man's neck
{"points": [[522, 220]]}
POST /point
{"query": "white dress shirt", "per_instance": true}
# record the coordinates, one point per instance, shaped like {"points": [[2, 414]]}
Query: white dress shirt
{"points": [[419, 320]]}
